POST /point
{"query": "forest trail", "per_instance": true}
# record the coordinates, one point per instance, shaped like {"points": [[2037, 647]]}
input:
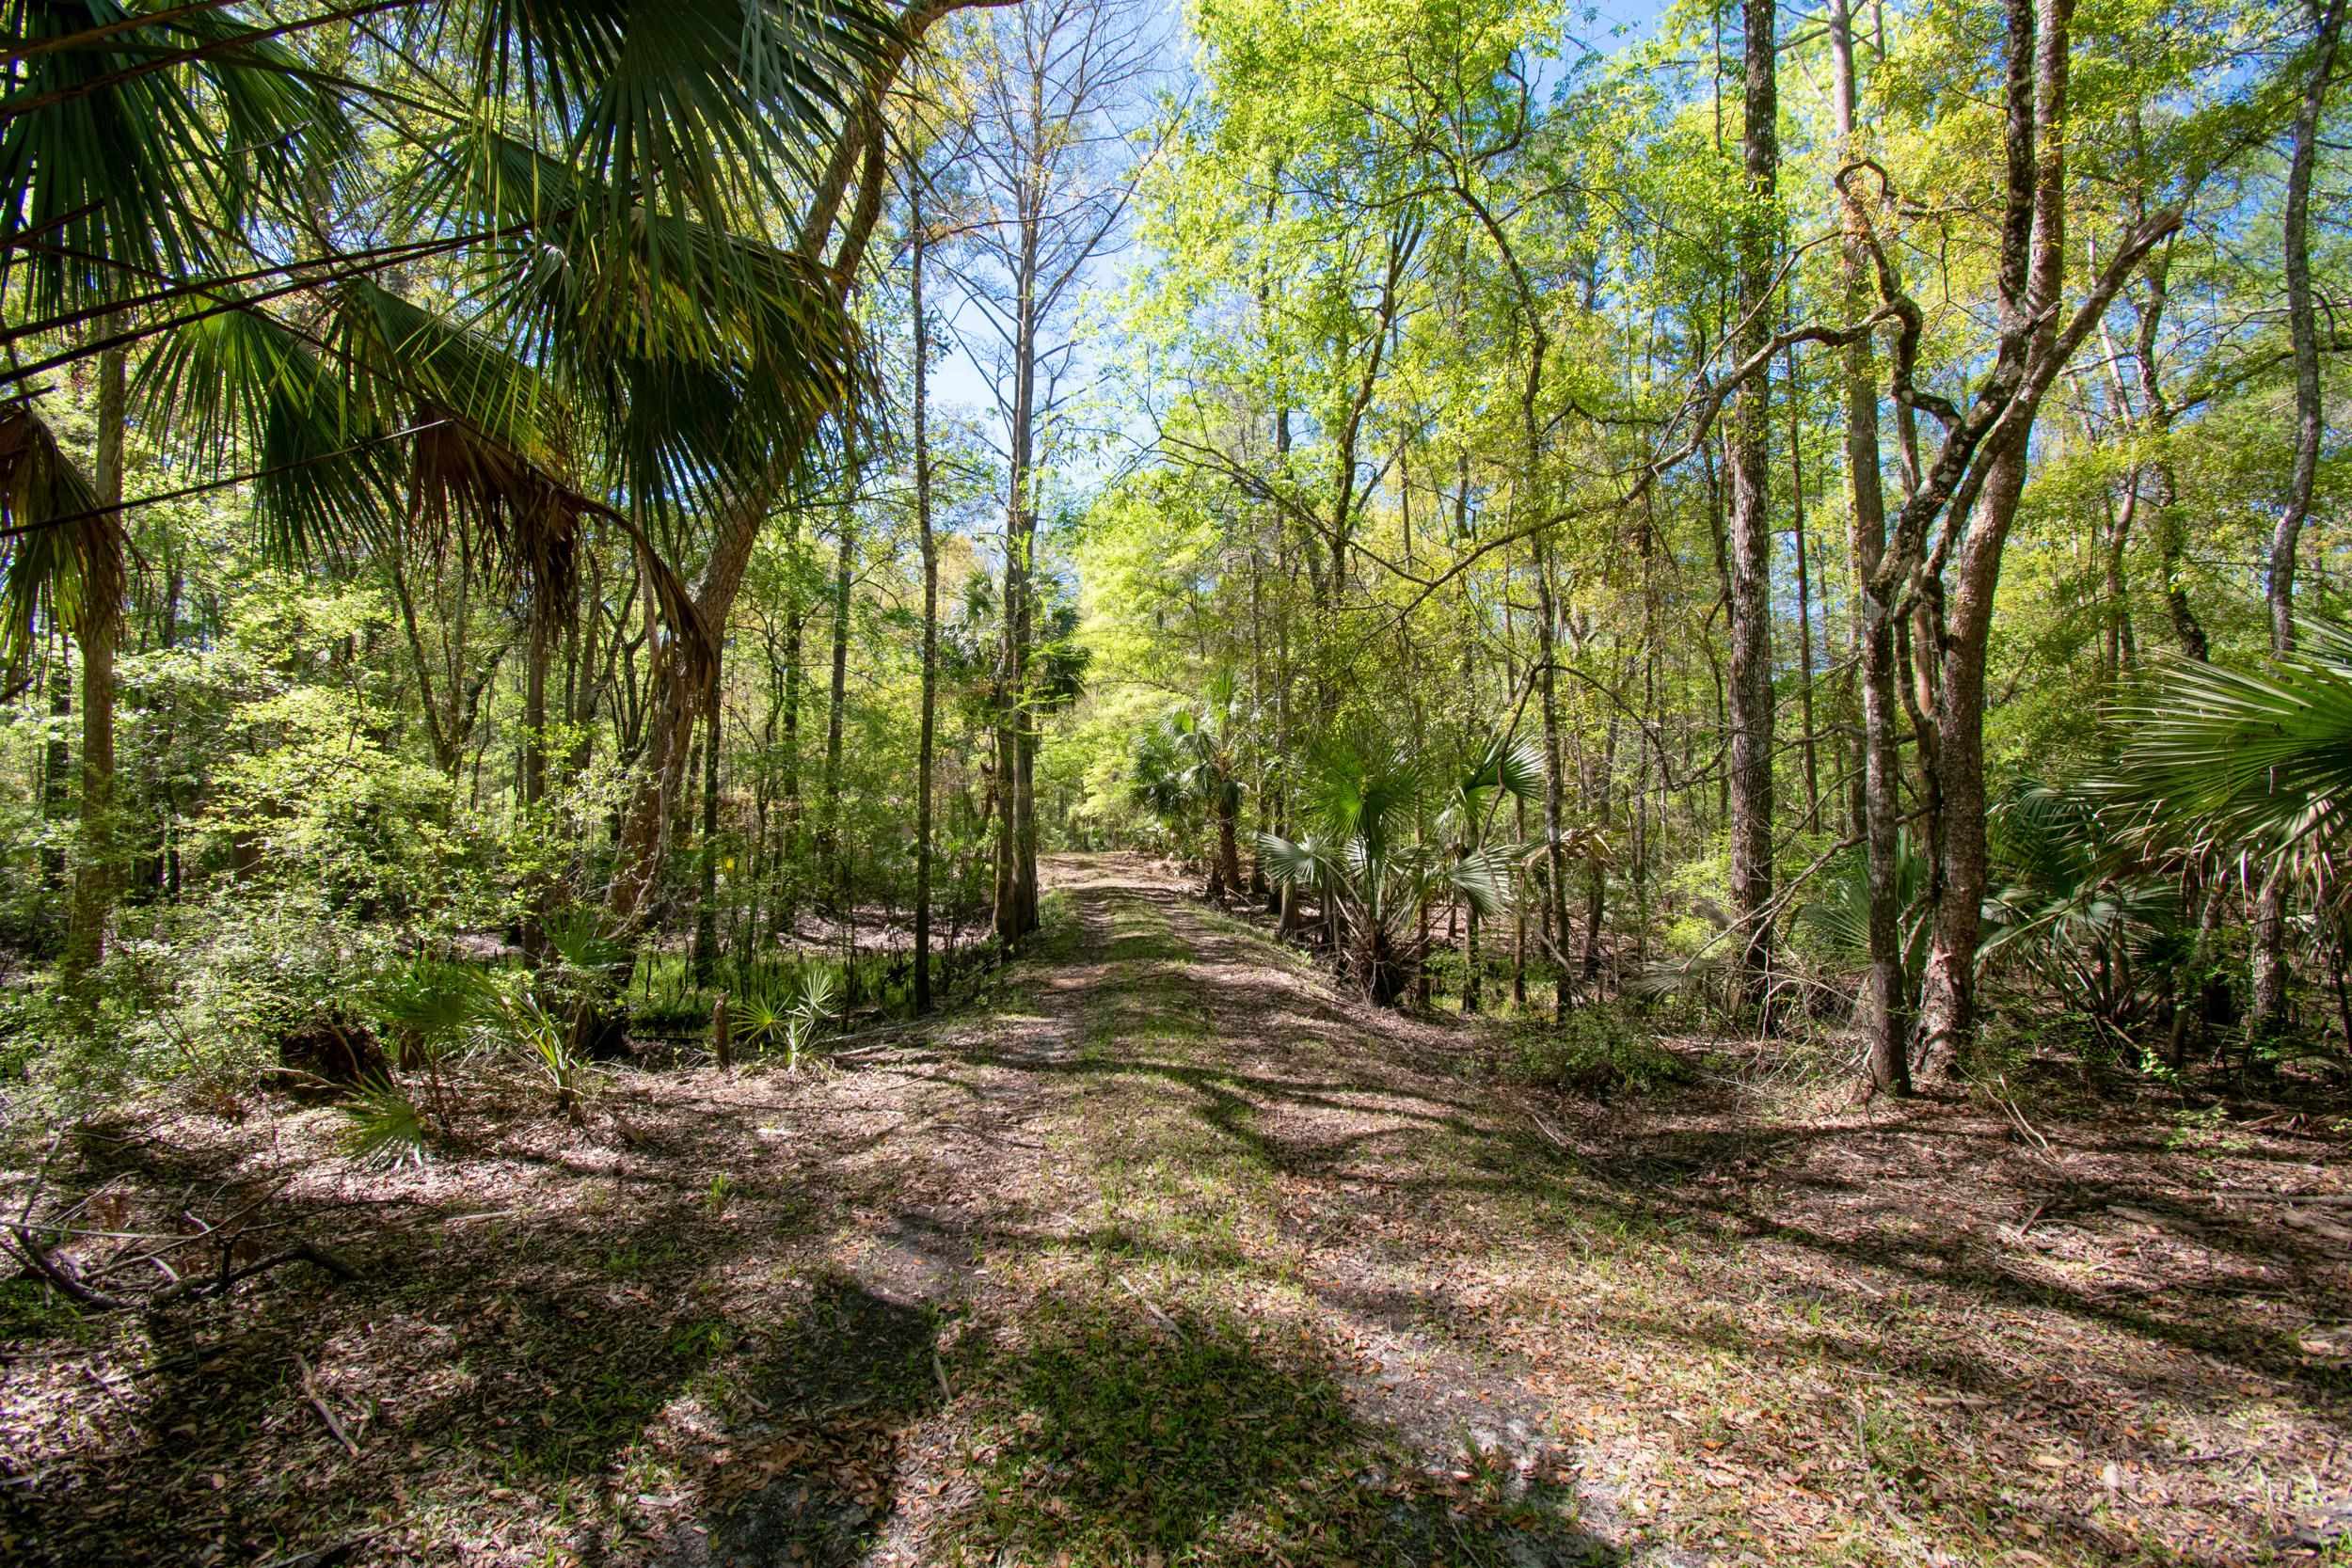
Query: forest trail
{"points": [[1162, 1250], [1174, 1139]]}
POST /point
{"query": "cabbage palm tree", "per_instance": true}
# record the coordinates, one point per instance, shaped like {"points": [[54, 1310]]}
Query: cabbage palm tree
{"points": [[1189, 763], [1375, 858], [1466, 817]]}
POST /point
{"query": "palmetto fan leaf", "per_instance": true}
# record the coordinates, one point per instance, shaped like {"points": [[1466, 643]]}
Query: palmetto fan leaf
{"points": [[58, 551], [1482, 878], [709, 107], [712, 355], [242, 388], [1307, 863], [1838, 916], [1517, 768], [480, 454], [119, 167], [1364, 790], [483, 451], [2237, 760], [1506, 767]]}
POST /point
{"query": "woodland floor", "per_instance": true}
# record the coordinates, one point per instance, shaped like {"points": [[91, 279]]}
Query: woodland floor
{"points": [[1163, 1253]]}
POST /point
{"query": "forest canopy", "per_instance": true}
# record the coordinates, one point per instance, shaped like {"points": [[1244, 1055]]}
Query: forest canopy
{"points": [[541, 543], [1790, 515]]}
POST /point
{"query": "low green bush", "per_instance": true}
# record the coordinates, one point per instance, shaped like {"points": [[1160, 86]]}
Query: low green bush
{"points": [[1603, 1048]]}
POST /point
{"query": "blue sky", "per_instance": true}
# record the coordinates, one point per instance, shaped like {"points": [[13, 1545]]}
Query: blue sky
{"points": [[962, 385]]}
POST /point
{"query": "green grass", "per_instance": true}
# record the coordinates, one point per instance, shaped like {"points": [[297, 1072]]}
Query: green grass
{"points": [[1108, 1437], [30, 1310]]}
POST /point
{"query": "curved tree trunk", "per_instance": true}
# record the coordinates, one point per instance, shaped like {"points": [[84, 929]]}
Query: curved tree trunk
{"points": [[675, 698], [2272, 976], [1884, 1009]]}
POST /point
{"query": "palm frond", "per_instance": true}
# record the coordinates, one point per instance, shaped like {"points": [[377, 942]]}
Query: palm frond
{"points": [[431, 1001], [1307, 863], [685, 106], [123, 159], [1482, 878], [713, 356], [2229, 759], [60, 554], [1517, 768], [382, 1125], [241, 386], [1838, 915]]}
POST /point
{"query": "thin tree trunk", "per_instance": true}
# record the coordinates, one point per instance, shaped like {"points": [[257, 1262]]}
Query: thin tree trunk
{"points": [[1016, 865], [790, 839], [100, 627], [833, 853], [2188, 633], [56, 788], [1884, 1008], [1804, 599], [1555, 861], [2302, 327], [918, 241], [2272, 976], [707, 909]]}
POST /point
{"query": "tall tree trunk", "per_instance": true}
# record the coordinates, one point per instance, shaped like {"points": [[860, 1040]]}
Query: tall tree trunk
{"points": [[100, 627], [1555, 858], [56, 782], [791, 838], [1229, 841], [919, 239], [2188, 633], [2271, 977], [2302, 327], [1747, 461], [1804, 598], [833, 851], [1884, 1009], [2031, 282], [539, 635], [1016, 843], [674, 696]]}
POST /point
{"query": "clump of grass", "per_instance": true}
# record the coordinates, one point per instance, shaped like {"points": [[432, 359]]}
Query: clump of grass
{"points": [[1121, 1433]]}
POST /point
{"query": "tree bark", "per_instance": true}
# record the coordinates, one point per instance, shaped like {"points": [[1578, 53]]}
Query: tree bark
{"points": [[2302, 327], [918, 239], [707, 906], [831, 848], [1747, 462], [2272, 976], [2032, 277], [98, 628], [674, 697], [2188, 633], [1804, 598], [1555, 857], [1884, 1009]]}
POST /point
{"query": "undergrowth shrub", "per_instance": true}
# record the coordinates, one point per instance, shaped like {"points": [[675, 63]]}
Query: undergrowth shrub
{"points": [[1602, 1048], [205, 997]]}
